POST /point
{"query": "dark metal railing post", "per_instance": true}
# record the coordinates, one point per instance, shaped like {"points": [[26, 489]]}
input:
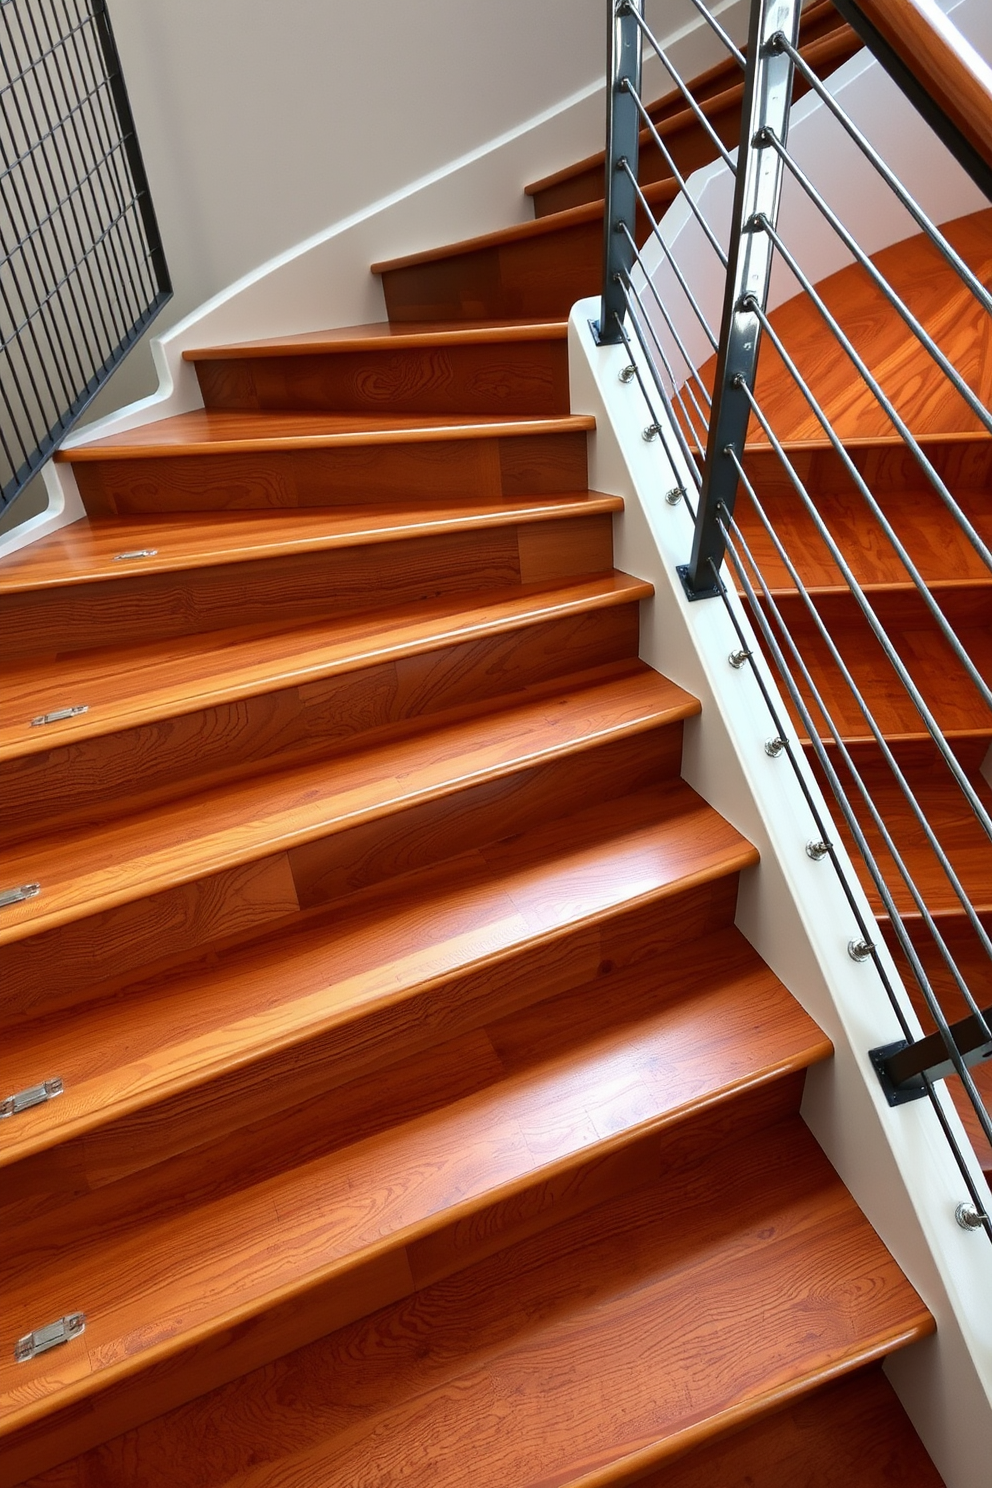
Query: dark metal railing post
{"points": [[765, 112], [623, 126]]}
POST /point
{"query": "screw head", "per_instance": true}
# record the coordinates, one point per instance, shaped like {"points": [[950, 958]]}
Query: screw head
{"points": [[968, 1217], [627, 373], [738, 658], [651, 432], [674, 496], [818, 850], [774, 747], [859, 950]]}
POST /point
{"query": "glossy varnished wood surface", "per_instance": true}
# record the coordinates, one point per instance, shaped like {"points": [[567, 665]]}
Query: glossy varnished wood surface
{"points": [[599, 1309], [852, 1434], [483, 1119], [94, 549], [168, 678], [921, 394], [152, 851], [371, 947], [219, 432], [384, 336], [257, 1002]]}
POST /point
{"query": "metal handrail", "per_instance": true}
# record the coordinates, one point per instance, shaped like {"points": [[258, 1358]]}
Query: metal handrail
{"points": [[83, 271], [704, 432]]}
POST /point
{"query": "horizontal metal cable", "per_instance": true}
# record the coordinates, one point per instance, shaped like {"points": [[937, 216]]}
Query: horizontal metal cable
{"points": [[677, 174], [666, 401], [921, 585], [878, 630], [733, 536], [978, 289], [887, 754], [683, 89], [714, 24], [693, 375], [879, 280], [671, 259], [676, 391], [925, 464]]}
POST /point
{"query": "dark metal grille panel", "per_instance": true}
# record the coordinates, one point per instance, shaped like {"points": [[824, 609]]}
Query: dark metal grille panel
{"points": [[82, 271]]}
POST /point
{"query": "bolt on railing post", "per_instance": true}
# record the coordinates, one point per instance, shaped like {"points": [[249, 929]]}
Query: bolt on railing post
{"points": [[623, 124], [765, 110]]}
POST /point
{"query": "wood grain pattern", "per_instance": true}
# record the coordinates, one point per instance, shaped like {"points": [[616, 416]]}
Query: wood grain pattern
{"points": [[854, 1432], [176, 719], [941, 678], [272, 997], [614, 1285], [402, 562], [97, 869], [537, 268], [505, 377], [266, 479], [497, 1135], [923, 397]]}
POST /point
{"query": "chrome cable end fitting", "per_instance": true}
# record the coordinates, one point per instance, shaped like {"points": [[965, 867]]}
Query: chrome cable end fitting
{"points": [[860, 950], [774, 747], [738, 658], [674, 496], [818, 850], [968, 1217]]}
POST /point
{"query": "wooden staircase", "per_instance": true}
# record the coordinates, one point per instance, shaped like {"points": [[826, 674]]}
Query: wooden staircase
{"points": [[961, 451], [425, 1116]]}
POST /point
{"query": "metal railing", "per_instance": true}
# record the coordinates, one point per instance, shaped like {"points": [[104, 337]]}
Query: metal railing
{"points": [[82, 272], [713, 419]]}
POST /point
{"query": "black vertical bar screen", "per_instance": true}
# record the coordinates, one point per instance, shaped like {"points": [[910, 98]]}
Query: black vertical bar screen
{"points": [[82, 269]]}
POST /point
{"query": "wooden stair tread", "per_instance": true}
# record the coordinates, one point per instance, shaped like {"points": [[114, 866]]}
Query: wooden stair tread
{"points": [[220, 431], [672, 124], [937, 545], [657, 192], [546, 1116], [122, 688], [381, 949], [381, 335], [84, 872], [579, 1334], [87, 551], [955, 701], [957, 829]]}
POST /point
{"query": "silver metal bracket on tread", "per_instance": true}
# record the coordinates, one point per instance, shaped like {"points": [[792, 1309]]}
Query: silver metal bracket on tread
{"points": [[49, 1337], [18, 895], [59, 714], [34, 1095]]}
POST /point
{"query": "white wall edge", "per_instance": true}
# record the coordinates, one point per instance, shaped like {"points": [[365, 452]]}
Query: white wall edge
{"points": [[324, 281], [895, 1162]]}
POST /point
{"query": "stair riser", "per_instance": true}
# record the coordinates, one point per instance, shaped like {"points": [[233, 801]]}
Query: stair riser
{"points": [[115, 774], [311, 874], [888, 468], [541, 276], [307, 586], [365, 1041], [508, 378], [430, 471], [689, 147], [933, 665], [376, 1281]]}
